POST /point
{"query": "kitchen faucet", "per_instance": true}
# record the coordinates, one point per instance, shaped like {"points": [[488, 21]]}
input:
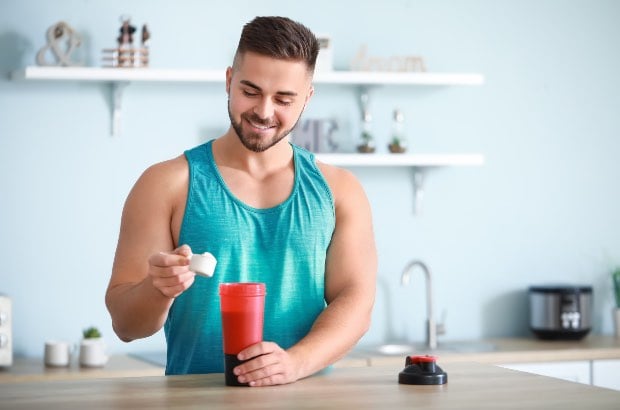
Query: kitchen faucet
{"points": [[432, 329]]}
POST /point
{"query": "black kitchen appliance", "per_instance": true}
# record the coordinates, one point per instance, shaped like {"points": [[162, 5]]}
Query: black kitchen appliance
{"points": [[560, 311]]}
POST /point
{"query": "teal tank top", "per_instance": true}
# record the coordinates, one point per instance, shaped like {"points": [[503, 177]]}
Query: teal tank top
{"points": [[284, 246]]}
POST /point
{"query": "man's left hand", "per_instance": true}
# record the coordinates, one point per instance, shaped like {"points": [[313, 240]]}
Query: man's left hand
{"points": [[268, 364]]}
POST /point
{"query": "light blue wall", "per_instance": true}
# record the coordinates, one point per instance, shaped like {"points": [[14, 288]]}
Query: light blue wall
{"points": [[544, 208]]}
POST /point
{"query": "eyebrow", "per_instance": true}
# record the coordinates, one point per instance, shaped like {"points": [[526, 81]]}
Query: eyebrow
{"points": [[257, 88]]}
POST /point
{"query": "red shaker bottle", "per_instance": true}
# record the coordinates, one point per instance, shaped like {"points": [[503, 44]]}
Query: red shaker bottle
{"points": [[242, 306]]}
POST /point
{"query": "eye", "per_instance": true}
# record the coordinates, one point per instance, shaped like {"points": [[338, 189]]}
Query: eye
{"points": [[284, 102], [248, 93]]}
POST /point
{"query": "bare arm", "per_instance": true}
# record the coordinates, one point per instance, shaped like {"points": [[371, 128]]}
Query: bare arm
{"points": [[145, 279], [350, 278], [349, 290]]}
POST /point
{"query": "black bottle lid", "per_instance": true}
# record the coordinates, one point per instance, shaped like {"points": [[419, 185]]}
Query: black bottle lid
{"points": [[422, 370]]}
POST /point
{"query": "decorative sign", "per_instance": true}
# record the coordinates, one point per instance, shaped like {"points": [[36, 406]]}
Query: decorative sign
{"points": [[62, 41], [316, 135], [364, 62]]}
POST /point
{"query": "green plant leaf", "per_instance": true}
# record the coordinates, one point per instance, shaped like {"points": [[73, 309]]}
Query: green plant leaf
{"points": [[91, 333], [616, 280]]}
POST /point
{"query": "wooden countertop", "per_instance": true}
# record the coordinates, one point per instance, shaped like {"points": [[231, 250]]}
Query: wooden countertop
{"points": [[505, 351], [509, 350], [470, 385], [32, 369]]}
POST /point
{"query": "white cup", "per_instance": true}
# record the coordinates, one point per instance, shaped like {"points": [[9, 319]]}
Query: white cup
{"points": [[57, 353], [93, 353]]}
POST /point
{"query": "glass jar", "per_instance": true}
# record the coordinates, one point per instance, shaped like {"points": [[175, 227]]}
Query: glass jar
{"points": [[398, 140], [366, 144]]}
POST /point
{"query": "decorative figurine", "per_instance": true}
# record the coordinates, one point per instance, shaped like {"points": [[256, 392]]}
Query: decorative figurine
{"points": [[146, 36], [126, 55], [125, 40], [58, 34]]}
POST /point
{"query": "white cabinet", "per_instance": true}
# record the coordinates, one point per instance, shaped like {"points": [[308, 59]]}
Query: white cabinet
{"points": [[574, 371], [606, 373], [600, 373]]}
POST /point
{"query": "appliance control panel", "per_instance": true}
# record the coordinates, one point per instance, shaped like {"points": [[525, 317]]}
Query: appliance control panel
{"points": [[6, 339]]}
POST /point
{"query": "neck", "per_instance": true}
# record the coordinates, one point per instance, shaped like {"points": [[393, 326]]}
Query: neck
{"points": [[229, 151]]}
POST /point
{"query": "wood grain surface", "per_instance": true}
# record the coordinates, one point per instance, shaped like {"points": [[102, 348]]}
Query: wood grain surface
{"points": [[473, 386]]}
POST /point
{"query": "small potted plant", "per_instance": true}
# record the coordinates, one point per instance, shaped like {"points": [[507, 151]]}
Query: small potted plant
{"points": [[398, 142], [92, 348], [91, 333], [615, 276], [366, 145], [397, 146]]}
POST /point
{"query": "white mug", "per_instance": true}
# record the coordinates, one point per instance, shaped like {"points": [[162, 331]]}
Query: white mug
{"points": [[93, 353], [57, 353]]}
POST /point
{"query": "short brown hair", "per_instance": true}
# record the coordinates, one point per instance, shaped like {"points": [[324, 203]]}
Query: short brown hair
{"points": [[281, 38]]}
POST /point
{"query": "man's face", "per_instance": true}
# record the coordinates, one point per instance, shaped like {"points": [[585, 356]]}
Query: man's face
{"points": [[266, 97]]}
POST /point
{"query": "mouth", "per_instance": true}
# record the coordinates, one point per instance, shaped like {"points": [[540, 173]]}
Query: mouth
{"points": [[260, 126]]}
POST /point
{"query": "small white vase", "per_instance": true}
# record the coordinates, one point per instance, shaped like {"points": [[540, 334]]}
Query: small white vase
{"points": [[93, 353], [616, 318]]}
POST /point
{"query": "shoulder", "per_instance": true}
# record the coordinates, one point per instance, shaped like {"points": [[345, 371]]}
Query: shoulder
{"points": [[164, 180], [175, 170], [345, 187]]}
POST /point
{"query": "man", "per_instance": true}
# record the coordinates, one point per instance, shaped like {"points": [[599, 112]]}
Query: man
{"points": [[268, 212]]}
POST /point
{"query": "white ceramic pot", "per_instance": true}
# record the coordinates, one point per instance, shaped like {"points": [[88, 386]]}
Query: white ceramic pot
{"points": [[57, 353], [93, 353], [616, 317]]}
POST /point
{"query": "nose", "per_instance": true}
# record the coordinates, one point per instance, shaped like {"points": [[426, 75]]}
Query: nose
{"points": [[264, 108]]}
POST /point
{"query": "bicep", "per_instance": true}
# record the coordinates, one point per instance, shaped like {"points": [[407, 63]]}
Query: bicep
{"points": [[145, 228], [352, 257]]}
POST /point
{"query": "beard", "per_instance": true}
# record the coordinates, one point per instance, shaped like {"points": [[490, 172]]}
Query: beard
{"points": [[254, 141]]}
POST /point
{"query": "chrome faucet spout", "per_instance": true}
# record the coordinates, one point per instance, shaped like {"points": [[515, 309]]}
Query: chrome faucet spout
{"points": [[431, 327]]}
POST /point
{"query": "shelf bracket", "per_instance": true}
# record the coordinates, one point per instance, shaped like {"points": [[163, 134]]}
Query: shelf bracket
{"points": [[364, 101], [418, 176], [118, 88]]}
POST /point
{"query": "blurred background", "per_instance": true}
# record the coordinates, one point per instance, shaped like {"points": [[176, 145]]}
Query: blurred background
{"points": [[542, 209]]}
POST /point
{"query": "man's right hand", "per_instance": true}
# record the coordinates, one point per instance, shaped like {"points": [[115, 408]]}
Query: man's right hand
{"points": [[169, 271]]}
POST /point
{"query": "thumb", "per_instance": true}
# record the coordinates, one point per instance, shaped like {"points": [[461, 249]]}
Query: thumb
{"points": [[184, 250]]}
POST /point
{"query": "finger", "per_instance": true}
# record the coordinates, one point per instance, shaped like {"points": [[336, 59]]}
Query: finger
{"points": [[265, 376], [165, 259], [184, 250], [174, 286], [257, 363], [269, 381], [174, 279], [171, 270], [257, 349]]}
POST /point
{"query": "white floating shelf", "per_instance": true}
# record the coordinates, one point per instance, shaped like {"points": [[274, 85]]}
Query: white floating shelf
{"points": [[418, 163], [98, 74], [207, 76], [119, 78], [411, 160], [398, 78]]}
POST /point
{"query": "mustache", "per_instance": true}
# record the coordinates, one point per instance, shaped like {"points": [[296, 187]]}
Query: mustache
{"points": [[267, 122]]}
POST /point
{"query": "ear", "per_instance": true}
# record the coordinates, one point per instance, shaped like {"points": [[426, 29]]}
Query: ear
{"points": [[310, 94], [228, 79]]}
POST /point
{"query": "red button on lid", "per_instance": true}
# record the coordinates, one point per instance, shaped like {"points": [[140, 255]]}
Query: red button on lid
{"points": [[422, 359]]}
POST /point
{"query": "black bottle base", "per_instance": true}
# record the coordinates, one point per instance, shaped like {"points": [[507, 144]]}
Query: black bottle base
{"points": [[230, 362]]}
